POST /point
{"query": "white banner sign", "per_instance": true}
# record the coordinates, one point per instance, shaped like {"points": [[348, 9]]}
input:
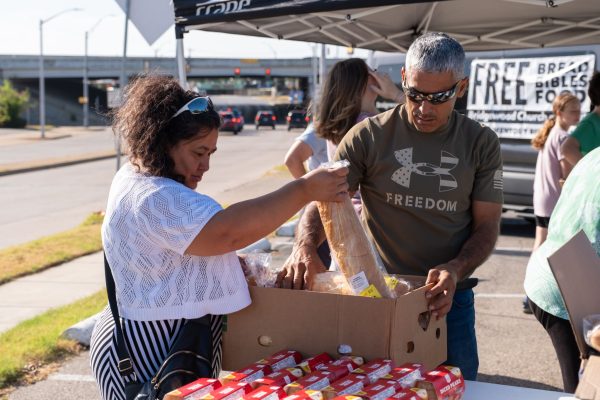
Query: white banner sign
{"points": [[514, 96]]}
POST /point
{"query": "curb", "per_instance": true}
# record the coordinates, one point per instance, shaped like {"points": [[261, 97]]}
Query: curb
{"points": [[47, 164]]}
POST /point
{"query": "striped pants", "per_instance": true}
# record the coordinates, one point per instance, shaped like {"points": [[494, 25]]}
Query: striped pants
{"points": [[148, 343]]}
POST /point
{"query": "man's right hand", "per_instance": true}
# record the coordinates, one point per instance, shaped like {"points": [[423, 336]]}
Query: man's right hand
{"points": [[300, 268]]}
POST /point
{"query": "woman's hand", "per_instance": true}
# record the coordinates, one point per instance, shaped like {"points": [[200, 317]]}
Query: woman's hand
{"points": [[386, 88], [326, 184]]}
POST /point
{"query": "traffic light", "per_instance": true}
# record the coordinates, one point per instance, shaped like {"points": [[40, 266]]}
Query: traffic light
{"points": [[237, 71], [268, 71]]}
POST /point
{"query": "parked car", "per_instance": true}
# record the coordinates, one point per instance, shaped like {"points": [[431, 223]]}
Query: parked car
{"points": [[265, 118], [232, 121], [297, 119]]}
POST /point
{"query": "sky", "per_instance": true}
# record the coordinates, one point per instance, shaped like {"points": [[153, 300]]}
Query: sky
{"points": [[65, 35]]}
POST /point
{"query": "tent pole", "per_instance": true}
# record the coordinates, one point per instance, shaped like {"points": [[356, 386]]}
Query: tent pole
{"points": [[322, 66], [180, 58], [123, 79], [315, 73]]}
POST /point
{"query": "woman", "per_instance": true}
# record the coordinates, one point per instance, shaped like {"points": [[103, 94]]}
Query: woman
{"points": [[552, 167], [349, 96], [578, 208], [170, 248]]}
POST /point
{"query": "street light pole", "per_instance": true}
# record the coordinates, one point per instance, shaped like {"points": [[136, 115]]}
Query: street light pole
{"points": [[42, 78], [86, 99], [42, 85], [123, 78]]}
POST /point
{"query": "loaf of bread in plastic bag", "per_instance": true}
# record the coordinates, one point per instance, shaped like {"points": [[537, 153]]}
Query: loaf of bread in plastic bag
{"points": [[330, 282], [351, 249]]}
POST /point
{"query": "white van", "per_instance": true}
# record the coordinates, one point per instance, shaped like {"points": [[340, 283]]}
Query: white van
{"points": [[512, 92]]}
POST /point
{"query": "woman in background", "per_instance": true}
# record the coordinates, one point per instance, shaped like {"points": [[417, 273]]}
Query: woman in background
{"points": [[552, 168], [349, 96]]}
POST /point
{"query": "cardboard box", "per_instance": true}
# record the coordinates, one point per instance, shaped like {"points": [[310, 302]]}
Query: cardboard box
{"points": [[279, 378], [347, 386], [315, 381], [314, 363], [379, 390], [305, 395], [248, 374], [576, 267], [313, 323], [410, 394], [194, 390], [406, 375], [266, 393], [230, 391], [375, 369], [443, 383]]}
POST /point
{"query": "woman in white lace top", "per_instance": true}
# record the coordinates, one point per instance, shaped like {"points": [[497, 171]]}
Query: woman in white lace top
{"points": [[171, 250]]}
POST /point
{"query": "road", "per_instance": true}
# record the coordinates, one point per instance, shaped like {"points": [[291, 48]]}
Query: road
{"points": [[39, 203]]}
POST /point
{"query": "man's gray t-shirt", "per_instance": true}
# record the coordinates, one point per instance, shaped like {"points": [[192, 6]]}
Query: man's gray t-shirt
{"points": [[318, 146], [417, 188]]}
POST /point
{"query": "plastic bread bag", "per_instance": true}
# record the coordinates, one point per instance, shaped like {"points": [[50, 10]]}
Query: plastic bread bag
{"points": [[258, 269], [350, 246], [330, 282], [591, 331], [398, 285]]}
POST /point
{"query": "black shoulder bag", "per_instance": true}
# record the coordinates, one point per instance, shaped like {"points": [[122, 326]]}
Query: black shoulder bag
{"points": [[189, 359]]}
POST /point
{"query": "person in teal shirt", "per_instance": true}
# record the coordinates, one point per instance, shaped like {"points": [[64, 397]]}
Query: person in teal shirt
{"points": [[586, 136], [578, 208]]}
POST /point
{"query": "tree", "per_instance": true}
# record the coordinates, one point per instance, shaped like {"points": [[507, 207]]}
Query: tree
{"points": [[12, 103]]}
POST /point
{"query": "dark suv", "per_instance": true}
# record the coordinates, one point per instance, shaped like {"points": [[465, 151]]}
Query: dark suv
{"points": [[232, 121], [265, 118], [297, 119]]}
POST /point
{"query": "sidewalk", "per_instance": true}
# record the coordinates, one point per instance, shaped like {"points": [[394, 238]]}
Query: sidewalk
{"points": [[32, 295]]}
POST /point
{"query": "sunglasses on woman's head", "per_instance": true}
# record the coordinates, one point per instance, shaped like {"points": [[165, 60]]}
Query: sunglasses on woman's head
{"points": [[197, 105], [434, 98]]}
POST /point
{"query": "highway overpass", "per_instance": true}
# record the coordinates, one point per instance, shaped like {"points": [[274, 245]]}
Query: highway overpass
{"points": [[64, 80]]}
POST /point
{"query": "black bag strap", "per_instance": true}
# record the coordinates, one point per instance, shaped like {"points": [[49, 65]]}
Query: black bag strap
{"points": [[125, 365]]}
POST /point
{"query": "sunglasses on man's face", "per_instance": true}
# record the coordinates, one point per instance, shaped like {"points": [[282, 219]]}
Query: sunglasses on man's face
{"points": [[197, 105], [434, 98]]}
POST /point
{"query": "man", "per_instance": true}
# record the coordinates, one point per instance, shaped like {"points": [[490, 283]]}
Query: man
{"points": [[431, 185]]}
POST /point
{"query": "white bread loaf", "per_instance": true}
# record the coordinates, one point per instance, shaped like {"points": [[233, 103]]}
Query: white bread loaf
{"points": [[330, 282], [350, 247]]}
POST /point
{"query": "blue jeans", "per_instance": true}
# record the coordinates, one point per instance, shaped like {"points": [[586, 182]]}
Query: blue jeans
{"points": [[462, 342]]}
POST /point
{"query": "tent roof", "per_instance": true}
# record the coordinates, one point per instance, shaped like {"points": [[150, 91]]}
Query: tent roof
{"points": [[392, 25]]}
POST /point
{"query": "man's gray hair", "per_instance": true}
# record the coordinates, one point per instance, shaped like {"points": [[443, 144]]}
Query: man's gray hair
{"points": [[436, 52]]}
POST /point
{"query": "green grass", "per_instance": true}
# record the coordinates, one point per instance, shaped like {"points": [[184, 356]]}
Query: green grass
{"points": [[51, 250], [37, 342]]}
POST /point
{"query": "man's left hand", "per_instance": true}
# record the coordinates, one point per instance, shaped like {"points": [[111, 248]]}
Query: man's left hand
{"points": [[440, 296]]}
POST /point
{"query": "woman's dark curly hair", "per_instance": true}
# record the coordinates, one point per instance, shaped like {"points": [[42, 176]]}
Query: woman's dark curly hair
{"points": [[145, 124]]}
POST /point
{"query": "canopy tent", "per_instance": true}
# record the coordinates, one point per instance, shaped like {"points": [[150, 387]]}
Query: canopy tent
{"points": [[392, 25], [387, 25]]}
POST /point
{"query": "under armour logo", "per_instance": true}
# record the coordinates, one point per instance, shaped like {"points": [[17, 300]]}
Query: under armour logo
{"points": [[447, 162]]}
